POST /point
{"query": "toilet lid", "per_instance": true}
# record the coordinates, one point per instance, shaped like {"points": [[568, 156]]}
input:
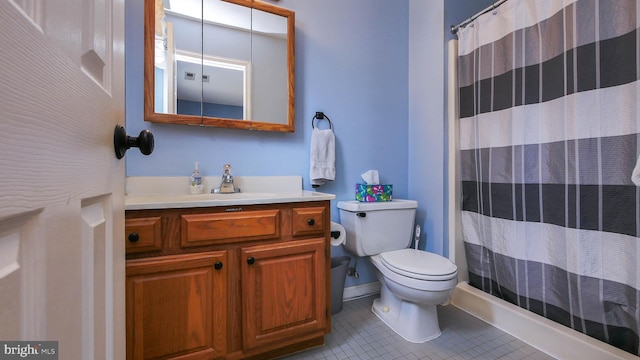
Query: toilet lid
{"points": [[419, 264]]}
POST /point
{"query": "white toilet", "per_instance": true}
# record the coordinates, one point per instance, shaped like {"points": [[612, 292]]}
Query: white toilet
{"points": [[412, 281]]}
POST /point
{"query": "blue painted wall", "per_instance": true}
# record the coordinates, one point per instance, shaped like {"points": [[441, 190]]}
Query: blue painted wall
{"points": [[426, 126], [353, 63]]}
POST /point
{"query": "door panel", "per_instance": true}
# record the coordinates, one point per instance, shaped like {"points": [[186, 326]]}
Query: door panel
{"points": [[61, 187], [22, 285]]}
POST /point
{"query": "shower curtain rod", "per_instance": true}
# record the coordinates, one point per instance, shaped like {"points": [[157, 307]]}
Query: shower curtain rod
{"points": [[454, 29]]}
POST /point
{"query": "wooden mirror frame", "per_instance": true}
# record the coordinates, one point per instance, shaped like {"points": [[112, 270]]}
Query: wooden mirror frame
{"points": [[248, 124]]}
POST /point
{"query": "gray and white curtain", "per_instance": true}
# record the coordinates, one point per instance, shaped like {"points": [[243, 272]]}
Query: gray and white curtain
{"points": [[549, 134]]}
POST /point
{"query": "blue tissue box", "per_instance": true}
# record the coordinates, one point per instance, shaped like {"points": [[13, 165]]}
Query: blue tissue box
{"points": [[372, 193]]}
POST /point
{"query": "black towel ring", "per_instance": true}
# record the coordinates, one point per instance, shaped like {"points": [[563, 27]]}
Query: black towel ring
{"points": [[320, 116]]}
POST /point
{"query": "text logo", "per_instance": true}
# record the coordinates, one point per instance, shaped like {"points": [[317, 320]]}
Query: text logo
{"points": [[45, 350]]}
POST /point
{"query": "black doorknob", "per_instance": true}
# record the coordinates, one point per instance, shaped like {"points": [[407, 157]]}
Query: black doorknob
{"points": [[122, 142], [311, 222], [251, 261], [217, 265]]}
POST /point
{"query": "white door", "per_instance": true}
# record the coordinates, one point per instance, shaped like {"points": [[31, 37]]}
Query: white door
{"points": [[61, 186]]}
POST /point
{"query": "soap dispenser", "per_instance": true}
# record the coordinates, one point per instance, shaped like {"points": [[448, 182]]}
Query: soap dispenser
{"points": [[196, 186]]}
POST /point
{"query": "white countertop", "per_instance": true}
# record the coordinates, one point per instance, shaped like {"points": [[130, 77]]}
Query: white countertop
{"points": [[170, 192], [165, 201]]}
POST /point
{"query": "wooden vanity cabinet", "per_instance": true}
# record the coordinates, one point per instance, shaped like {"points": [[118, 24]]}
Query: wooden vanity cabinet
{"points": [[228, 282]]}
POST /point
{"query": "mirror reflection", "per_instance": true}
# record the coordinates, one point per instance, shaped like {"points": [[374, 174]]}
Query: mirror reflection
{"points": [[216, 61], [222, 90]]}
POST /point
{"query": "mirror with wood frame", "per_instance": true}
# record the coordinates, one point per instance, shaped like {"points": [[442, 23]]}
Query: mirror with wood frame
{"points": [[222, 63]]}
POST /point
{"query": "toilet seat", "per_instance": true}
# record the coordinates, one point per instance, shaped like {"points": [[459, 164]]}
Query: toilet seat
{"points": [[419, 264]]}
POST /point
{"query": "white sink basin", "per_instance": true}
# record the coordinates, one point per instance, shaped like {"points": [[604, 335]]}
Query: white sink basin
{"points": [[231, 196], [184, 198]]}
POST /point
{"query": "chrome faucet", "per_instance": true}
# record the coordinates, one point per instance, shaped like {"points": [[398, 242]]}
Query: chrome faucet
{"points": [[226, 185]]}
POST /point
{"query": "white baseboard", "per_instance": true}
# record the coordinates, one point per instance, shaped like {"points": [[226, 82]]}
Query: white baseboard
{"points": [[358, 291]]}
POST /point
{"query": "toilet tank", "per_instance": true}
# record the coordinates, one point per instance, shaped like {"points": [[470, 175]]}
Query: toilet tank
{"points": [[375, 227]]}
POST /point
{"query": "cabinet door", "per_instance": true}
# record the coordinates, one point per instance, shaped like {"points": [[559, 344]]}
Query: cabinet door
{"points": [[283, 291], [177, 306]]}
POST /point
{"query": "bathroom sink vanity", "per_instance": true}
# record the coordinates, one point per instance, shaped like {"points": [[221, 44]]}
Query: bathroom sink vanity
{"points": [[227, 278]]}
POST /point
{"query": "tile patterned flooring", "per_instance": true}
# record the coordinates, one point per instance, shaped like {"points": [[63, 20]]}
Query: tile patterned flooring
{"points": [[357, 334]]}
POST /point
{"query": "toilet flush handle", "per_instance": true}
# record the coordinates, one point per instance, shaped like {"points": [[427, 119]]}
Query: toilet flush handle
{"points": [[361, 214]]}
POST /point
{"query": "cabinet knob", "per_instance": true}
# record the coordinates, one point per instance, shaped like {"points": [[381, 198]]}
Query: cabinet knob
{"points": [[311, 222], [134, 237], [251, 261], [217, 265]]}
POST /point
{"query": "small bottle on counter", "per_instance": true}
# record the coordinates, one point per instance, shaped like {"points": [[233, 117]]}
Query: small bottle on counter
{"points": [[196, 186]]}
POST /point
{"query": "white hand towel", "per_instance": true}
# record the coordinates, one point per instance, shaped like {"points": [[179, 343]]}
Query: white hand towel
{"points": [[323, 157], [635, 175]]}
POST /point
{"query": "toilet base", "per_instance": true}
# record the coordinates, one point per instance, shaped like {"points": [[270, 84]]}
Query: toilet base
{"points": [[416, 324]]}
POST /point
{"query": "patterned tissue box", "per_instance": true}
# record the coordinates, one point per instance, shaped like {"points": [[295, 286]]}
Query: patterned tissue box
{"points": [[372, 193]]}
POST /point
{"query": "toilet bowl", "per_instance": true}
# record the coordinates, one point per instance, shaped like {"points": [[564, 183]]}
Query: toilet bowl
{"points": [[412, 282], [411, 290]]}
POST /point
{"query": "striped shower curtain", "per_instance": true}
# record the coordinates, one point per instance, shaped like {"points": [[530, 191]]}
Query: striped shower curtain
{"points": [[549, 135]]}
